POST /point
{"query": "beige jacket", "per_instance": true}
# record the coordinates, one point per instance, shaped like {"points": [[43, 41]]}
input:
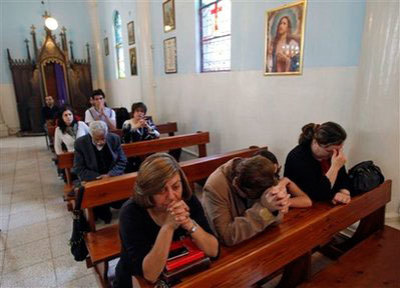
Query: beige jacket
{"points": [[226, 210]]}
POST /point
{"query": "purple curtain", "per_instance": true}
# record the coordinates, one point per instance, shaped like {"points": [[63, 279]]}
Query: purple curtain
{"points": [[60, 82]]}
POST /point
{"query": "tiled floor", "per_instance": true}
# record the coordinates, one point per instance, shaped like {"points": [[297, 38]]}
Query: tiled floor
{"points": [[35, 223]]}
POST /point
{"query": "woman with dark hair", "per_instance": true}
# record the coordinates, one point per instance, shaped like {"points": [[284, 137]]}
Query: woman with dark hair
{"points": [[161, 210], [284, 48], [139, 127], [316, 165], [68, 130]]}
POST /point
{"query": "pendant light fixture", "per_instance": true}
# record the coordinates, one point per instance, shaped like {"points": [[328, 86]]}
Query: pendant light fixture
{"points": [[50, 22]]}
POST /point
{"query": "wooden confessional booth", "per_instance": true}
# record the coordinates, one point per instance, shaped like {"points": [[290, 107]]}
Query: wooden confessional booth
{"points": [[53, 71]]}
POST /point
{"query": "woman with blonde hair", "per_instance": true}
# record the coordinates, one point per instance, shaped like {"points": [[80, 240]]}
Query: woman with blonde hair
{"points": [[161, 210]]}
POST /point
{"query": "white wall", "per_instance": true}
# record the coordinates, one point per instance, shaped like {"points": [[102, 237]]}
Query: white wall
{"points": [[246, 108]]}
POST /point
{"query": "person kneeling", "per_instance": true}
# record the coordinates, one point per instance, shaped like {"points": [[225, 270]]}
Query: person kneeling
{"points": [[161, 210], [240, 199]]}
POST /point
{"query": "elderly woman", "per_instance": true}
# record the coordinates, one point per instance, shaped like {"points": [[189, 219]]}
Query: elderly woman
{"points": [[240, 198], [317, 163], [68, 131], [161, 210]]}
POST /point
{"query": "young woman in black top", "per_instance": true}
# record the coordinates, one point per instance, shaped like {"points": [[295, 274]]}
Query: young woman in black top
{"points": [[316, 165], [162, 209]]}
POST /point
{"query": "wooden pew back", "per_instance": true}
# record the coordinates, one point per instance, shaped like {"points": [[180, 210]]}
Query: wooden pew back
{"points": [[116, 188], [66, 160], [168, 128]]}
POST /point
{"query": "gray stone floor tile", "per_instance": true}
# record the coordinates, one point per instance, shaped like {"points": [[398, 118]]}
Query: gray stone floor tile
{"points": [[88, 281], [60, 245], [26, 255], [28, 205], [67, 269], [26, 218], [27, 234], [60, 225], [40, 275]]}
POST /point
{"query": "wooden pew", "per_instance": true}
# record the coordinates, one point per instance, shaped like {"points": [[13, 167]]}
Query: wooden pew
{"points": [[372, 263], [104, 244], [66, 160], [289, 245], [168, 128]]}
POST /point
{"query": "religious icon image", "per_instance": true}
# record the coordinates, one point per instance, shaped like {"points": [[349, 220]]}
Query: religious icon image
{"points": [[169, 15], [131, 33], [133, 61], [284, 39]]}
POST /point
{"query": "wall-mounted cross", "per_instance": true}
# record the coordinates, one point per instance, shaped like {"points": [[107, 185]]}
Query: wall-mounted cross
{"points": [[215, 12]]}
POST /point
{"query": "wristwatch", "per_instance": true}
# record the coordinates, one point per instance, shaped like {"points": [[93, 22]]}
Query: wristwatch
{"points": [[194, 228]]}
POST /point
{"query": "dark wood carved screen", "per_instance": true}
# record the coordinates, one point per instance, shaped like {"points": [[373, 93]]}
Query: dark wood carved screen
{"points": [[36, 78]]}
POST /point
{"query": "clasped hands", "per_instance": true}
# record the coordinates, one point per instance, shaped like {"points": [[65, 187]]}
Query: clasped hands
{"points": [[276, 198], [179, 215]]}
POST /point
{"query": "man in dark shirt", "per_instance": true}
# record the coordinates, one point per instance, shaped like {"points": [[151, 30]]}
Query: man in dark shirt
{"points": [[99, 155], [50, 111]]}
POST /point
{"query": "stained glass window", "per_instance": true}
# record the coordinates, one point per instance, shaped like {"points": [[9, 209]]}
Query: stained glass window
{"points": [[119, 51], [215, 23]]}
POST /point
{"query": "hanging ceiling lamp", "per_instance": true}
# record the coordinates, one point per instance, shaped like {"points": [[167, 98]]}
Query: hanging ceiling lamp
{"points": [[50, 22]]}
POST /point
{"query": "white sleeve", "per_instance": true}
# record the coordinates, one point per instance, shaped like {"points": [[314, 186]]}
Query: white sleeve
{"points": [[58, 141], [113, 118], [83, 129], [88, 116]]}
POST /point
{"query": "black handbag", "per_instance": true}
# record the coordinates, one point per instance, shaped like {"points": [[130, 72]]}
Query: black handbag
{"points": [[365, 176], [79, 227]]}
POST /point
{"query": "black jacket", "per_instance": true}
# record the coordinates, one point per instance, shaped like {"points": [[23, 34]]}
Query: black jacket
{"points": [[85, 163], [304, 170]]}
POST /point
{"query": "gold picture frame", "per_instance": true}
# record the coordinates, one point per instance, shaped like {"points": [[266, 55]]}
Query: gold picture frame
{"points": [[284, 39], [169, 15]]}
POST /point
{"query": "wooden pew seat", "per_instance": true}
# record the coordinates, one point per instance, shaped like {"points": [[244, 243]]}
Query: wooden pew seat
{"points": [[372, 263]]}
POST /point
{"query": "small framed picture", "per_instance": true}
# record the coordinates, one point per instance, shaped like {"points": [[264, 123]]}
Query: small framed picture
{"points": [[133, 61], [131, 33], [170, 57], [284, 39], [169, 15], [106, 48]]}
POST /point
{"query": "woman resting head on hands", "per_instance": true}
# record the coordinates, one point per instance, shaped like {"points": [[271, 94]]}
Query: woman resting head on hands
{"points": [[68, 130], [298, 199], [316, 165], [161, 210]]}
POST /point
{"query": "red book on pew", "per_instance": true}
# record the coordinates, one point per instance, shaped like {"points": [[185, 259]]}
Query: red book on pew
{"points": [[182, 253]]}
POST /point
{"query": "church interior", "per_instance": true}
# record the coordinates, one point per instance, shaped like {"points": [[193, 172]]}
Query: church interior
{"points": [[207, 65]]}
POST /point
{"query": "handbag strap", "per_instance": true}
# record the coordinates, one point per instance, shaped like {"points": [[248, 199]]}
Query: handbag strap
{"points": [[79, 196]]}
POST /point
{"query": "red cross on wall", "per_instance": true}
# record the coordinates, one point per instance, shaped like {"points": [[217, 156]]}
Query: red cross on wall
{"points": [[215, 11]]}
